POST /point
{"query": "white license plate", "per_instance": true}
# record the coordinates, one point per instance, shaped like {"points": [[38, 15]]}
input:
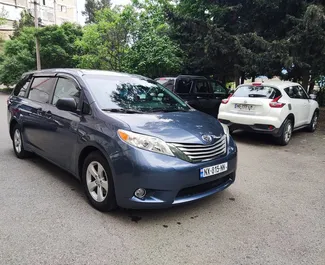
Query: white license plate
{"points": [[214, 170], [244, 107]]}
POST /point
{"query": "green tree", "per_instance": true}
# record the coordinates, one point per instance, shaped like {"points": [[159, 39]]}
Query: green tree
{"points": [[56, 48], [105, 43], [26, 20], [92, 6], [153, 52]]}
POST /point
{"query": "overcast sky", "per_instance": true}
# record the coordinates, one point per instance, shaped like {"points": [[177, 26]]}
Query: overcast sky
{"points": [[81, 7]]}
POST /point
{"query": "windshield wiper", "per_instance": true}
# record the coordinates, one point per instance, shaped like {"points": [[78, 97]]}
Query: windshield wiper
{"points": [[256, 96], [168, 110], [128, 111]]}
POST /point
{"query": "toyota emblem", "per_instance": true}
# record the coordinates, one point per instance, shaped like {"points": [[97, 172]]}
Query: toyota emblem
{"points": [[207, 138]]}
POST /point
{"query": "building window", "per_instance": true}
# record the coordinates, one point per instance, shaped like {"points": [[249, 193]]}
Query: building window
{"points": [[63, 9]]}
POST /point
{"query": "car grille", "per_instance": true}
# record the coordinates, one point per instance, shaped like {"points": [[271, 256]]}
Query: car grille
{"points": [[199, 152]]}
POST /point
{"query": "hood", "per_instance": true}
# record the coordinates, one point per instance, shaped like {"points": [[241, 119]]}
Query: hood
{"points": [[173, 127]]}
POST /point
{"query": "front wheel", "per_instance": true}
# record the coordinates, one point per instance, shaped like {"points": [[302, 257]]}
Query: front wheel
{"points": [[286, 134], [313, 123], [98, 183]]}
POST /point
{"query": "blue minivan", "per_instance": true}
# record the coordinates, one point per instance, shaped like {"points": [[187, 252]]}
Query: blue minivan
{"points": [[131, 142]]}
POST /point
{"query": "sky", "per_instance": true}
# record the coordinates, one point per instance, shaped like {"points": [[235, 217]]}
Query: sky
{"points": [[81, 7]]}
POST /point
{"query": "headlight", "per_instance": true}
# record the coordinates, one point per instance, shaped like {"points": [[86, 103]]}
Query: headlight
{"points": [[145, 142], [225, 129]]}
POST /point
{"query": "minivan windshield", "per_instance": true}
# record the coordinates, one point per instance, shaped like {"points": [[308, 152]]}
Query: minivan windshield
{"points": [[133, 94], [257, 92]]}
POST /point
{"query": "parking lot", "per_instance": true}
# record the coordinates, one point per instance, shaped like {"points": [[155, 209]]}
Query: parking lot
{"points": [[273, 214]]}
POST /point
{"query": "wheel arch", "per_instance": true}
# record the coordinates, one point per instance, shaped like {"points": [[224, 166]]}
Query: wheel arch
{"points": [[12, 125], [291, 117], [85, 151]]}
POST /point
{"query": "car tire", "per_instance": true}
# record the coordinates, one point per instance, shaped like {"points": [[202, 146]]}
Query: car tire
{"points": [[313, 123], [286, 134], [98, 182], [18, 143]]}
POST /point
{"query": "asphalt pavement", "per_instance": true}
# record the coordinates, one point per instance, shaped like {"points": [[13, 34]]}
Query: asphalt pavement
{"points": [[273, 214]]}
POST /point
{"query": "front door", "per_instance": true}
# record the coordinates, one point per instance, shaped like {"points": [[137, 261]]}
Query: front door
{"points": [[208, 103], [62, 146], [299, 105]]}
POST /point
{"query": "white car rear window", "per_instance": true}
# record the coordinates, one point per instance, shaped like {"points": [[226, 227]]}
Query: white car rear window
{"points": [[257, 92]]}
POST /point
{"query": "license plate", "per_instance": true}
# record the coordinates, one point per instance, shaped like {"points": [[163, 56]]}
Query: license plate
{"points": [[214, 170], [244, 107]]}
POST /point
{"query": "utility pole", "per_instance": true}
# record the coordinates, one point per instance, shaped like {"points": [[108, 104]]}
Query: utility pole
{"points": [[54, 11], [38, 56]]}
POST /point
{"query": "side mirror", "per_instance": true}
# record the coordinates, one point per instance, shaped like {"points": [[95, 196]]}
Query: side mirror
{"points": [[312, 96], [68, 104]]}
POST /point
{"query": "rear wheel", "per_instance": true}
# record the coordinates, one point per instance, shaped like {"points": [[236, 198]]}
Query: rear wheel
{"points": [[286, 134], [98, 182], [313, 123], [18, 144]]}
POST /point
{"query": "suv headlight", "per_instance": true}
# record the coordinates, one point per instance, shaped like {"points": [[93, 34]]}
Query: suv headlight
{"points": [[145, 142], [226, 130]]}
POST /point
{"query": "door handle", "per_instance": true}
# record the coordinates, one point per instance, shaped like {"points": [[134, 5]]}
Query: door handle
{"points": [[39, 111], [48, 114]]}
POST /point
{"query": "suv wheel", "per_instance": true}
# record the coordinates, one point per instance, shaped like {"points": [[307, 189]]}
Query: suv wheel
{"points": [[313, 123], [98, 182], [18, 144], [286, 134]]}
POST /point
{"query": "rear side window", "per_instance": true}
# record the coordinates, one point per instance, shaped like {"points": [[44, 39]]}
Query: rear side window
{"points": [[22, 86], [168, 83], [257, 92], [41, 89], [184, 86], [296, 92]]}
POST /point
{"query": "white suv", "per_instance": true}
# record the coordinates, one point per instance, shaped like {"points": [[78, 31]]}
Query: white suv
{"points": [[276, 108]]}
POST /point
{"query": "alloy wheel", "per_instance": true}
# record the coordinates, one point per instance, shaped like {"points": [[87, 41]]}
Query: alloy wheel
{"points": [[288, 133], [97, 182], [315, 120]]}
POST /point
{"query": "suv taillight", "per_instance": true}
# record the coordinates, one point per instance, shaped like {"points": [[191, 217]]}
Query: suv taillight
{"points": [[226, 100], [275, 104]]}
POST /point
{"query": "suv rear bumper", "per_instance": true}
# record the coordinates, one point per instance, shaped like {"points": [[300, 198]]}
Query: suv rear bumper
{"points": [[259, 128]]}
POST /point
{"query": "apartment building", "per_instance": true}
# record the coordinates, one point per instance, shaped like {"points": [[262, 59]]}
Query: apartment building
{"points": [[50, 11]]}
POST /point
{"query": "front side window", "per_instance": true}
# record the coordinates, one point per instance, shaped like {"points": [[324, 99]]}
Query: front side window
{"points": [[218, 88], [257, 92], [202, 87], [66, 88], [41, 89], [132, 93]]}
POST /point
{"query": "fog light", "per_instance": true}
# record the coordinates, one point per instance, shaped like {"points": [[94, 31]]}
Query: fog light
{"points": [[140, 193]]}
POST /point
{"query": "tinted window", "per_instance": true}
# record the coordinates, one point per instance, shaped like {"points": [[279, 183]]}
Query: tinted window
{"points": [[296, 92], [257, 91], [41, 89], [132, 93], [66, 88], [183, 86], [218, 88], [202, 87], [21, 88]]}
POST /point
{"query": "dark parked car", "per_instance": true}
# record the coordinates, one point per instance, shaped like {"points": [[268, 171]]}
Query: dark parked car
{"points": [[130, 141], [199, 92]]}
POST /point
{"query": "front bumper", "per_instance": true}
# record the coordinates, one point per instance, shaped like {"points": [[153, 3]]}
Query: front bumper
{"points": [[167, 180]]}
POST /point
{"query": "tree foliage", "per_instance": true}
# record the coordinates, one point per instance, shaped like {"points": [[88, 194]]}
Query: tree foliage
{"points": [[56, 48], [92, 6], [26, 20]]}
